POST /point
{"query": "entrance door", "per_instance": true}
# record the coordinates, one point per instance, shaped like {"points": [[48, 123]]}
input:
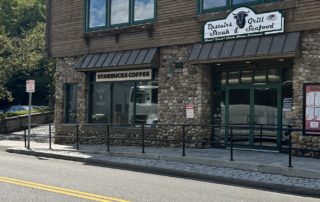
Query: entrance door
{"points": [[253, 114]]}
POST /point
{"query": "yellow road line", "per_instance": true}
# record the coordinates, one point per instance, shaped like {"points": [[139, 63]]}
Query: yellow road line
{"points": [[64, 191]]}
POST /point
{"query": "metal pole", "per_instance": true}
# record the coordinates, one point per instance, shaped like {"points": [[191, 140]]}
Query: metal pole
{"points": [[77, 133], [29, 119], [142, 133], [25, 138], [108, 138], [231, 144], [290, 146], [260, 135], [183, 141], [50, 136]]}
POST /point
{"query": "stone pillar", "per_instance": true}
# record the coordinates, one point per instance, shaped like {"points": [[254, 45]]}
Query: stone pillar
{"points": [[306, 69], [65, 74], [179, 87]]}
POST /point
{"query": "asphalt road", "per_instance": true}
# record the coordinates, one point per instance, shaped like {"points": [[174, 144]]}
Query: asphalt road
{"points": [[27, 178]]}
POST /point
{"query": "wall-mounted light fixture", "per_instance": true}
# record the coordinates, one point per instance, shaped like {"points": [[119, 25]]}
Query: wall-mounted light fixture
{"points": [[178, 65]]}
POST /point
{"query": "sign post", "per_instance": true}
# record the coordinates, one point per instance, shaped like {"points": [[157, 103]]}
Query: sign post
{"points": [[30, 88]]}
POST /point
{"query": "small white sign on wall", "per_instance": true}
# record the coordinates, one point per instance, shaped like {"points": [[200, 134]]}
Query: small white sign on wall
{"points": [[189, 111]]}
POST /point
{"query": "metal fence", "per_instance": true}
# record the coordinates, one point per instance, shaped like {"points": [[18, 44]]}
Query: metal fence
{"points": [[230, 136]]}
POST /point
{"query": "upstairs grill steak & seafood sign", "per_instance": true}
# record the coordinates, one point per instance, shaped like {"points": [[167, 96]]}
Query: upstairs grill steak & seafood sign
{"points": [[242, 23]]}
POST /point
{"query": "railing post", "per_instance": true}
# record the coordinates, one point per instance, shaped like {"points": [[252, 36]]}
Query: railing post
{"points": [[289, 131], [77, 133], [142, 134], [260, 135], [25, 138], [108, 138], [50, 136], [183, 141], [231, 144]]}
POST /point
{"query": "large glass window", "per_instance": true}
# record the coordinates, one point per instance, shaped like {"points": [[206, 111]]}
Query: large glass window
{"points": [[100, 103], [120, 11], [124, 102], [209, 5], [121, 101], [143, 9], [97, 13], [71, 103], [111, 13]]}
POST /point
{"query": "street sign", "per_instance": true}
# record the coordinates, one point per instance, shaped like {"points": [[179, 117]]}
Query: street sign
{"points": [[30, 86]]}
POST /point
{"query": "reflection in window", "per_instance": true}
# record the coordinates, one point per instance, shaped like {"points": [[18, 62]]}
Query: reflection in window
{"points": [[260, 76], [119, 11], [246, 77], [121, 103], [235, 2], [97, 13], [224, 78], [143, 9], [100, 108], [273, 75], [208, 4], [234, 77], [146, 102], [71, 103]]}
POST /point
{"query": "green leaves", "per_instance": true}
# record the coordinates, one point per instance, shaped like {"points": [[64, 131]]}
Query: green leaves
{"points": [[22, 38]]}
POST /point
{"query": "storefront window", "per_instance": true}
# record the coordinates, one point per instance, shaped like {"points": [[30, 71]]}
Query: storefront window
{"points": [[124, 102], [119, 11], [71, 103], [121, 101], [143, 9], [100, 103], [97, 13], [146, 99]]}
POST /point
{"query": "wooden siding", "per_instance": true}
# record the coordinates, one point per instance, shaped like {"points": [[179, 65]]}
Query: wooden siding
{"points": [[177, 23]]}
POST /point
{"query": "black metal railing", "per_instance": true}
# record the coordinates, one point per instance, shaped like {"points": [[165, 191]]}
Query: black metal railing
{"points": [[179, 131]]}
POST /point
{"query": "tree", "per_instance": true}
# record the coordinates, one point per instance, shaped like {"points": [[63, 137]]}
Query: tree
{"points": [[22, 38]]}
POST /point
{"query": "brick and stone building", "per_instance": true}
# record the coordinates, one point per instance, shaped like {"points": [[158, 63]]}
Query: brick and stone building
{"points": [[253, 63]]}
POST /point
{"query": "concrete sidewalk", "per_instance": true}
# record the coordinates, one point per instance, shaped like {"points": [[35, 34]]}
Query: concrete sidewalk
{"points": [[268, 170]]}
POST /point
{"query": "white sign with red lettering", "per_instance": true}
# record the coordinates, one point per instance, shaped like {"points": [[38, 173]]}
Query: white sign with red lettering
{"points": [[30, 86], [189, 111]]}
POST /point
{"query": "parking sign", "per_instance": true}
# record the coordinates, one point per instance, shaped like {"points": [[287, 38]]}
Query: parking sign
{"points": [[30, 86]]}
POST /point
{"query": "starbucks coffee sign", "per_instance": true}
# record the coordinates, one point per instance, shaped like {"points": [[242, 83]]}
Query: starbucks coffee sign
{"points": [[242, 23]]}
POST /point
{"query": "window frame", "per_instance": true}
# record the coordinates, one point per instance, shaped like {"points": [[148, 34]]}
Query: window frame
{"points": [[66, 101], [108, 16], [229, 5], [92, 82]]}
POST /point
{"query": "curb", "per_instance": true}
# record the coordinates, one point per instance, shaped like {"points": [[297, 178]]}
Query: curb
{"points": [[177, 173]]}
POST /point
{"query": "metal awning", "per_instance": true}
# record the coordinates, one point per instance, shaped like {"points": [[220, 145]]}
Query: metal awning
{"points": [[283, 45], [137, 58]]}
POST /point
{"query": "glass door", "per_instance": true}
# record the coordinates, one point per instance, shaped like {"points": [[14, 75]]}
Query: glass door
{"points": [[253, 114], [239, 115], [266, 117]]}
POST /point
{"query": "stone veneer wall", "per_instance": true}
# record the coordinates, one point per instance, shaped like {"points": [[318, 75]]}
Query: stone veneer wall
{"points": [[65, 74], [179, 87], [306, 69]]}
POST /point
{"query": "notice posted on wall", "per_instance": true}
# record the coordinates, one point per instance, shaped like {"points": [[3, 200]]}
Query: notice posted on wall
{"points": [[312, 108], [189, 111]]}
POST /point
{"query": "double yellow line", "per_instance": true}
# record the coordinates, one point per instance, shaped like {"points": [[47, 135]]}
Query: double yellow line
{"points": [[59, 190]]}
